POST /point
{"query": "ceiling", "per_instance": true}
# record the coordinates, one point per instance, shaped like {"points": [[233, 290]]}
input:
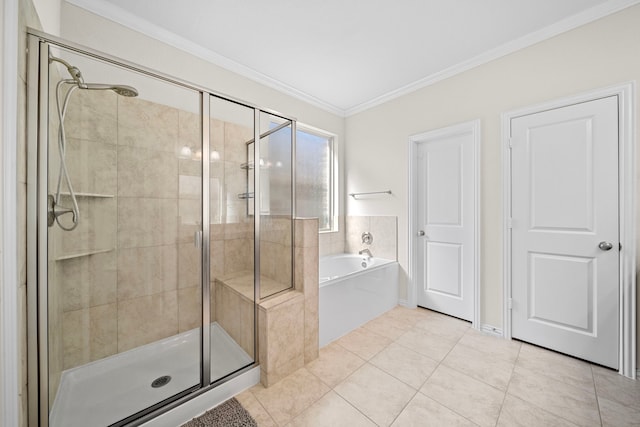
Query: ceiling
{"points": [[348, 55]]}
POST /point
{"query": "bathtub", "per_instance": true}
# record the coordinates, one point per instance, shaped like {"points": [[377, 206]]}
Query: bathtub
{"points": [[353, 290]]}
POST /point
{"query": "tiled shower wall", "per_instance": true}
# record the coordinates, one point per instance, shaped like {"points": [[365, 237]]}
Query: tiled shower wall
{"points": [[143, 285], [384, 230]]}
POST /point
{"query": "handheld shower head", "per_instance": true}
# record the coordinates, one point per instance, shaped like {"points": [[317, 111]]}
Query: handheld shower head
{"points": [[123, 90], [75, 73]]}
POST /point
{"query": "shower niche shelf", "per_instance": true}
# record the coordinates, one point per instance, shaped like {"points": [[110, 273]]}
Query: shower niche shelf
{"points": [[96, 195], [83, 254]]}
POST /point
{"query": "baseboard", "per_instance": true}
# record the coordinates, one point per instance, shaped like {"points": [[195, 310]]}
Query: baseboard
{"points": [[491, 330], [403, 302]]}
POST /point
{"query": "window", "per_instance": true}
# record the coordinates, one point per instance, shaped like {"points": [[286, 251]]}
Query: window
{"points": [[315, 171]]}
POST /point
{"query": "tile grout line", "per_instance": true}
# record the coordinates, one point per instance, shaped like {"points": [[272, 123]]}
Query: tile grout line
{"points": [[595, 391], [506, 391], [437, 366], [545, 410], [262, 406]]}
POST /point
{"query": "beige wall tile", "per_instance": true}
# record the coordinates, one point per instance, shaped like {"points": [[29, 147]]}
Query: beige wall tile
{"points": [[235, 139], [92, 166], [147, 319], [147, 271], [189, 125], [311, 329], [103, 331], [146, 124], [285, 330], [189, 270], [306, 270], [355, 226], [338, 242], [92, 115], [189, 219], [147, 222], [88, 281], [189, 186], [146, 172], [189, 167], [75, 328], [216, 136], [268, 379], [217, 259], [238, 256], [306, 232], [189, 308], [239, 230], [324, 244], [96, 227], [236, 316]]}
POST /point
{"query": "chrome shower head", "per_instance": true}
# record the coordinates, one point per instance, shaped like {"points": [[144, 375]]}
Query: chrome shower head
{"points": [[123, 90]]}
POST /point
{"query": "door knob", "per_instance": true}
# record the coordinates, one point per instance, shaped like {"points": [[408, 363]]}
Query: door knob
{"points": [[421, 233], [605, 246]]}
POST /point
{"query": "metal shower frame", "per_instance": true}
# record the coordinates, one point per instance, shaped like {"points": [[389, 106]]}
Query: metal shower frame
{"points": [[37, 229]]}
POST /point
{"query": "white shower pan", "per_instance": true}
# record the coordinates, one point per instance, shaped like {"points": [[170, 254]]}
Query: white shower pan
{"points": [[103, 392]]}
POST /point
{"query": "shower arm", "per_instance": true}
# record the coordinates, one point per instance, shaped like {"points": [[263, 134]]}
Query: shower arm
{"points": [[73, 71]]}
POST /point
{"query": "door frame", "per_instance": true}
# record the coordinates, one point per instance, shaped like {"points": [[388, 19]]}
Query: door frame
{"points": [[460, 128], [627, 211]]}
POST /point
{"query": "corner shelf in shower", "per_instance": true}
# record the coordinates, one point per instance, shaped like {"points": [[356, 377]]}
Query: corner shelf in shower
{"points": [[83, 254], [96, 195]]}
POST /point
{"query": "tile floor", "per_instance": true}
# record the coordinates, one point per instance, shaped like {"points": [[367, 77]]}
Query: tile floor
{"points": [[421, 368]]}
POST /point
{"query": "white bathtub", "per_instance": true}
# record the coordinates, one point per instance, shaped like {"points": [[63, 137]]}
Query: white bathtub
{"points": [[353, 290]]}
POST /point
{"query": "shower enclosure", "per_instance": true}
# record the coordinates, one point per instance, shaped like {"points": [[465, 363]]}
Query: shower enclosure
{"points": [[150, 202]]}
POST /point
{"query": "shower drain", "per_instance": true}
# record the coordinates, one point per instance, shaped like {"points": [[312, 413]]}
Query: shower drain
{"points": [[161, 381]]}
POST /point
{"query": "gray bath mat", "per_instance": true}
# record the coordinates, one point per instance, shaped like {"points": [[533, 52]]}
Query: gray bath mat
{"points": [[228, 414]]}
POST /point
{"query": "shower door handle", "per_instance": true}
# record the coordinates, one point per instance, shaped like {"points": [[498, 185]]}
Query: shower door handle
{"points": [[197, 239]]}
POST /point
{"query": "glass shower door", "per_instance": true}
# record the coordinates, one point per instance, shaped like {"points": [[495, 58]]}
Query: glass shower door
{"points": [[124, 196], [232, 231], [276, 208]]}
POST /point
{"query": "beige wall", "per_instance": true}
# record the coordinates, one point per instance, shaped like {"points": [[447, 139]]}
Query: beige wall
{"points": [[596, 55]]}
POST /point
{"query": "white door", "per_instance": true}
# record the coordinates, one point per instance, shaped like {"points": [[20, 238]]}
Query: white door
{"points": [[565, 246], [445, 250]]}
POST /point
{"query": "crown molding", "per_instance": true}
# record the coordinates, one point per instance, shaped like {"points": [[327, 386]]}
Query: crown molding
{"points": [[530, 39], [120, 16]]}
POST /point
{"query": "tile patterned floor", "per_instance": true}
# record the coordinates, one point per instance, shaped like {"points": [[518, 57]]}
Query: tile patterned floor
{"points": [[421, 368]]}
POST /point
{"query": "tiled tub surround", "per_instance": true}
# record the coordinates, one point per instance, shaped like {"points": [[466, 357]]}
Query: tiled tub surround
{"points": [[349, 237], [141, 282], [287, 322]]}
